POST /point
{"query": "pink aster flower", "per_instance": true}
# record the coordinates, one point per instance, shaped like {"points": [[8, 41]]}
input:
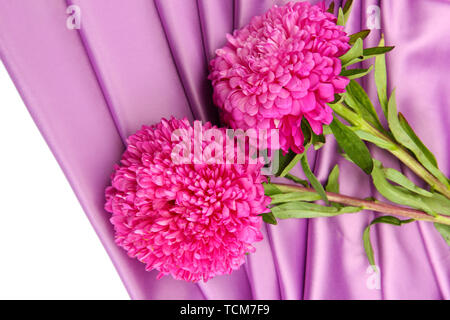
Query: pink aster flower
{"points": [[192, 221], [281, 67]]}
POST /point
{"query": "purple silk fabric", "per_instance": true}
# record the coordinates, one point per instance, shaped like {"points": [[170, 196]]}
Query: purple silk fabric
{"points": [[133, 62]]}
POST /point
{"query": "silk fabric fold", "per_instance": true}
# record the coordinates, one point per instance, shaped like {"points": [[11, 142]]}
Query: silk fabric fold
{"points": [[133, 62]]}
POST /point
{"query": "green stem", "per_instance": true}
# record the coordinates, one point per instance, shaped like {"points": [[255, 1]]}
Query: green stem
{"points": [[370, 205], [394, 148]]}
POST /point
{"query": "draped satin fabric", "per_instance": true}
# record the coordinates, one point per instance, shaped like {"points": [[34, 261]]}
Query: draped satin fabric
{"points": [[133, 62]]}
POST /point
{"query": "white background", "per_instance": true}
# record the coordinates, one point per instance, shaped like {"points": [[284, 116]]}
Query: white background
{"points": [[48, 249]]}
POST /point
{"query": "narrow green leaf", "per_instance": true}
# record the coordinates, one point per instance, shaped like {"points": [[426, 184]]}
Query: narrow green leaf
{"points": [[303, 210], [402, 180], [355, 73], [347, 6], [309, 210], [296, 179], [359, 101], [393, 220], [284, 160], [394, 124], [327, 130], [333, 180], [416, 139], [397, 194], [438, 203], [355, 52], [352, 145], [341, 19], [269, 218], [347, 10], [366, 235], [312, 179], [381, 78], [333, 184], [318, 140], [338, 98], [371, 52], [331, 8], [291, 164], [270, 189], [294, 196], [444, 230], [349, 209], [359, 35], [402, 136], [384, 144], [307, 132]]}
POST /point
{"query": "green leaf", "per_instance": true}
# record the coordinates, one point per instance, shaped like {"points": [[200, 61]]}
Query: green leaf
{"points": [[402, 136], [402, 180], [397, 194], [352, 145], [394, 124], [326, 130], [296, 179], [333, 184], [269, 218], [347, 10], [318, 140], [355, 52], [284, 160], [444, 230], [307, 132], [270, 189], [359, 101], [338, 98], [309, 210], [372, 52], [359, 35], [416, 139], [369, 53], [312, 179], [331, 8], [333, 180], [366, 235], [294, 196], [291, 164], [438, 203], [381, 79], [341, 19], [355, 73], [384, 144]]}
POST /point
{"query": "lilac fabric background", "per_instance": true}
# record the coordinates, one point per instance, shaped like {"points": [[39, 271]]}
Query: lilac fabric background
{"points": [[133, 62]]}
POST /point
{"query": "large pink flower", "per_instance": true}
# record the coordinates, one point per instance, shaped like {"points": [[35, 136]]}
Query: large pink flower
{"points": [[192, 221], [281, 67]]}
